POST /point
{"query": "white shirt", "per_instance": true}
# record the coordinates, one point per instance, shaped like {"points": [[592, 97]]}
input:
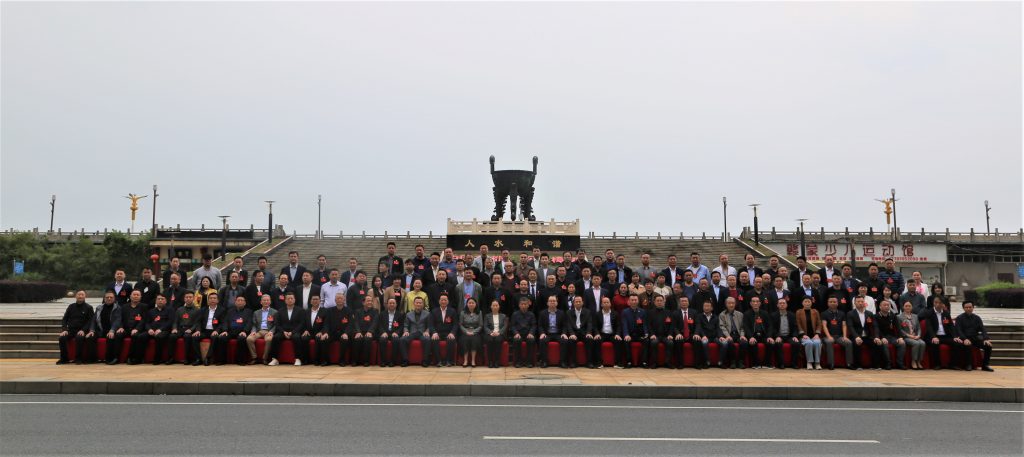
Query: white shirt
{"points": [[723, 281], [328, 291], [209, 318], [606, 322], [828, 273], [494, 319], [306, 290], [289, 311], [578, 313], [860, 314], [312, 315]]}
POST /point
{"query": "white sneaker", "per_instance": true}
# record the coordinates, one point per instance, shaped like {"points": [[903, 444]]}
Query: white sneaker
{"points": [[298, 363], [810, 366], [273, 362], [817, 366]]}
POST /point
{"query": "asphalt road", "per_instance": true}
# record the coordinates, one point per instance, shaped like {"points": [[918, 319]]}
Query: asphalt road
{"points": [[205, 425]]}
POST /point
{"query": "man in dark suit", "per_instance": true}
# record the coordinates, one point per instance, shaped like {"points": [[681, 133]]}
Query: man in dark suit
{"points": [[939, 329], [292, 324], [784, 330], [684, 328], [551, 329], [760, 292], [389, 329], [349, 276], [269, 278], [673, 273], [776, 293], [445, 322], [317, 329], [863, 331], [633, 329], [523, 329], [658, 327], [365, 324], [757, 325], [796, 276], [707, 333], [393, 261], [551, 289], [753, 271], [210, 324], [279, 293], [606, 329], [148, 287], [238, 322], [122, 290], [322, 274], [158, 328], [174, 267], [237, 265], [807, 290], [592, 298], [837, 290], [305, 292], [579, 327], [704, 293], [174, 292], [294, 270]]}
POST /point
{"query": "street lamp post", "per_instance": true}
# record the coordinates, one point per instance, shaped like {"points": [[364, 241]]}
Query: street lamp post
{"points": [[803, 242], [154, 210], [53, 205], [224, 238], [270, 221], [988, 225], [895, 226], [318, 206], [757, 239], [725, 222]]}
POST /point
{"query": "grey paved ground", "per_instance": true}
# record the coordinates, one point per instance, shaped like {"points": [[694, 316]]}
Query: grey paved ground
{"points": [[138, 425]]}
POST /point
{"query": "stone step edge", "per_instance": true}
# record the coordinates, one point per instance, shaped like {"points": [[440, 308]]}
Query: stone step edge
{"points": [[885, 393]]}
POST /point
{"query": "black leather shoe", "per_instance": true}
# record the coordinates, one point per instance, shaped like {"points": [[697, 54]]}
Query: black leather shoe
{"points": [[62, 362], [987, 368]]}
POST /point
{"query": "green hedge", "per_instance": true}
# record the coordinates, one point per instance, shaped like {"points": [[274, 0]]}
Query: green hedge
{"points": [[997, 295], [31, 291]]}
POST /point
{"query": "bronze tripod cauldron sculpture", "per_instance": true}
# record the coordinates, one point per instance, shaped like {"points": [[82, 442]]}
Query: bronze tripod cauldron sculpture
{"points": [[514, 186]]}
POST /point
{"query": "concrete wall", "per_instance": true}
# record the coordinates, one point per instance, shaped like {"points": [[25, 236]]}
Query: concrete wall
{"points": [[977, 274]]}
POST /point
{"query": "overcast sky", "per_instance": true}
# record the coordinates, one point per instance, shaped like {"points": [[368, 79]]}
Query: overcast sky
{"points": [[643, 115]]}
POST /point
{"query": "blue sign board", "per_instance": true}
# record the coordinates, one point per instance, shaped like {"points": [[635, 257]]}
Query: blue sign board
{"points": [[19, 267]]}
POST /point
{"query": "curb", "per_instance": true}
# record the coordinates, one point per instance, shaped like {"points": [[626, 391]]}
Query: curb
{"points": [[885, 393]]}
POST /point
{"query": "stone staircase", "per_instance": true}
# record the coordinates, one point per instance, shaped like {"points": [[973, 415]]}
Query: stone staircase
{"points": [[368, 250]]}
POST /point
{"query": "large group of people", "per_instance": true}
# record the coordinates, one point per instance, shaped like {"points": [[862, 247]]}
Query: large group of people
{"points": [[476, 304]]}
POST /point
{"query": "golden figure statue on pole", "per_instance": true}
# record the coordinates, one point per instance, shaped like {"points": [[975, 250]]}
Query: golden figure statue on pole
{"points": [[135, 207], [888, 210]]}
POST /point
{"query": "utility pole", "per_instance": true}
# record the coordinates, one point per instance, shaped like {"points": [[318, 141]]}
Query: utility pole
{"points": [[154, 211], [757, 240], [53, 206], [318, 206], [988, 225], [270, 221], [224, 238], [803, 242], [725, 222]]}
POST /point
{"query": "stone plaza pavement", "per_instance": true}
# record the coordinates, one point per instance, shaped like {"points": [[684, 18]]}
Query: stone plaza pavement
{"points": [[1006, 384]]}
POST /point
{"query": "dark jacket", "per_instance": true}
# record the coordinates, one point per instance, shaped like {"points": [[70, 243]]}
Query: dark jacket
{"points": [[77, 316], [971, 327], [776, 321], [447, 326], [115, 319], [586, 326], [855, 329], [396, 325], [633, 323], [160, 319], [295, 324], [707, 326], [365, 320], [149, 290], [296, 280], [133, 318], [757, 324], [544, 319], [238, 321], [659, 322], [523, 324], [219, 324]]}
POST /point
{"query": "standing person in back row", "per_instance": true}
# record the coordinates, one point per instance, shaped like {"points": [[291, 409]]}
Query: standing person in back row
{"points": [[207, 271], [294, 270], [892, 278], [74, 325], [393, 261]]}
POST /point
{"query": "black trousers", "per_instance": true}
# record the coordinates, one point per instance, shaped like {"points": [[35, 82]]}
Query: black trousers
{"points": [[652, 360], [729, 353], [866, 343], [957, 356], [161, 353], [980, 344], [628, 347], [191, 346], [138, 346], [296, 339], [492, 345], [755, 355], [569, 348], [241, 348], [515, 349], [679, 350], [79, 344], [595, 349], [215, 344], [542, 346], [361, 348], [449, 346], [91, 349], [775, 351], [385, 356]]}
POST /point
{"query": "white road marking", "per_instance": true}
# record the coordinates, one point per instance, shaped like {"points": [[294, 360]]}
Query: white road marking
{"points": [[709, 440], [534, 406]]}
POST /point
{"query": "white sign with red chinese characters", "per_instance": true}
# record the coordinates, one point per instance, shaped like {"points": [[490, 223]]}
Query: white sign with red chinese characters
{"points": [[866, 252]]}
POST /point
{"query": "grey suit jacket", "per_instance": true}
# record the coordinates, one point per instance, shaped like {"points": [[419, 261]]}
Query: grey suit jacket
{"points": [[115, 320], [460, 291], [489, 324], [909, 325], [725, 329], [422, 325], [257, 316]]}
